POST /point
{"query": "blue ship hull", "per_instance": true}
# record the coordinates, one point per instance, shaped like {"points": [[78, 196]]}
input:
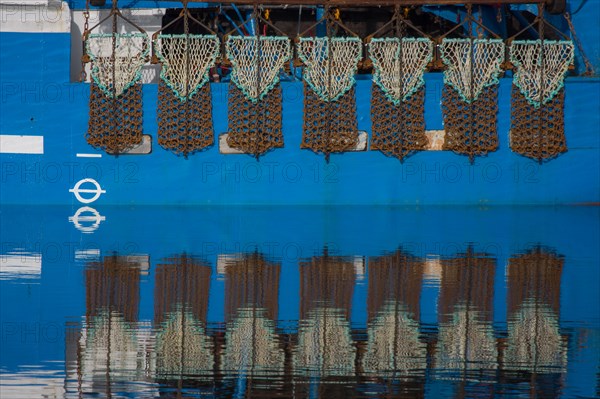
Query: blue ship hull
{"points": [[38, 99]]}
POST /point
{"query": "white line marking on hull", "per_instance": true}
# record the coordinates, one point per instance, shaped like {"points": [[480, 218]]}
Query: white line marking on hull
{"points": [[16, 144]]}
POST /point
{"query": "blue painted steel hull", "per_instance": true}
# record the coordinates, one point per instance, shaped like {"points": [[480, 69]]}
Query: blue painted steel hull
{"points": [[38, 99]]}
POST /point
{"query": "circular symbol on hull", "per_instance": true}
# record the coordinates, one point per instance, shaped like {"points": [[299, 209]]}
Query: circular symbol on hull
{"points": [[86, 214], [77, 190]]}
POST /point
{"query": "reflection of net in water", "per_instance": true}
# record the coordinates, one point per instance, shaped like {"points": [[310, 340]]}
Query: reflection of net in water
{"points": [[181, 280], [109, 345], [252, 345], [251, 299], [466, 339], [251, 281], [113, 284], [534, 342], [183, 347], [395, 278], [325, 346], [180, 306], [393, 345], [466, 342], [326, 281], [467, 280]]}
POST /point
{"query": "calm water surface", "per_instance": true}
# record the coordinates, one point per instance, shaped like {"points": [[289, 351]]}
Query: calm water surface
{"points": [[299, 302]]}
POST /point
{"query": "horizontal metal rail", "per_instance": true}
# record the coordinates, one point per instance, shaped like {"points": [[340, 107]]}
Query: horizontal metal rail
{"points": [[369, 3]]}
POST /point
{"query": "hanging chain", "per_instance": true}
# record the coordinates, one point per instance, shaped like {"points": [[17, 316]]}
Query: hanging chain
{"points": [[471, 78], [589, 69], [85, 58], [335, 14], [479, 27], [399, 28], [542, 77]]}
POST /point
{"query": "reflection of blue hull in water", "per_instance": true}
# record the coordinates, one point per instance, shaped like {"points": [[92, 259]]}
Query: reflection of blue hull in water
{"points": [[51, 304], [38, 100]]}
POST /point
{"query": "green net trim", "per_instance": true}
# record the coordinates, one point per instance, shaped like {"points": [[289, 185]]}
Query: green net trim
{"points": [[536, 77], [204, 52], [400, 76], [127, 66], [472, 65], [242, 51], [314, 53]]}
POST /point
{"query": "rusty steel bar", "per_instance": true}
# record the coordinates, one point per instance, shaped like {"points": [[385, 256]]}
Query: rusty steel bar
{"points": [[372, 3]]}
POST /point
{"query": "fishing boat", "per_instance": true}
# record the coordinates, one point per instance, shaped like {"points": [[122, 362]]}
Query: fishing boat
{"points": [[301, 102]]}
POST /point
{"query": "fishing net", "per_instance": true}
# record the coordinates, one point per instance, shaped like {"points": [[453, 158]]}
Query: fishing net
{"points": [[115, 123], [537, 106], [184, 100], [397, 100], [255, 95], [329, 102], [470, 95]]}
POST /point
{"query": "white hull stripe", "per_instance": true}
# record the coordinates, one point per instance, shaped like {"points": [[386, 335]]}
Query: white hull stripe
{"points": [[15, 144], [89, 155]]}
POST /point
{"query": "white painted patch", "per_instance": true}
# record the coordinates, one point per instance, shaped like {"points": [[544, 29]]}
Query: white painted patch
{"points": [[363, 137], [33, 16], [15, 144], [89, 155], [435, 140]]}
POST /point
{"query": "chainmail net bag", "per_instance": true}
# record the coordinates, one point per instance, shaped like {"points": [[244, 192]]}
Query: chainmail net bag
{"points": [[115, 123], [537, 98], [330, 123], [254, 107], [184, 101], [470, 94], [397, 101]]}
